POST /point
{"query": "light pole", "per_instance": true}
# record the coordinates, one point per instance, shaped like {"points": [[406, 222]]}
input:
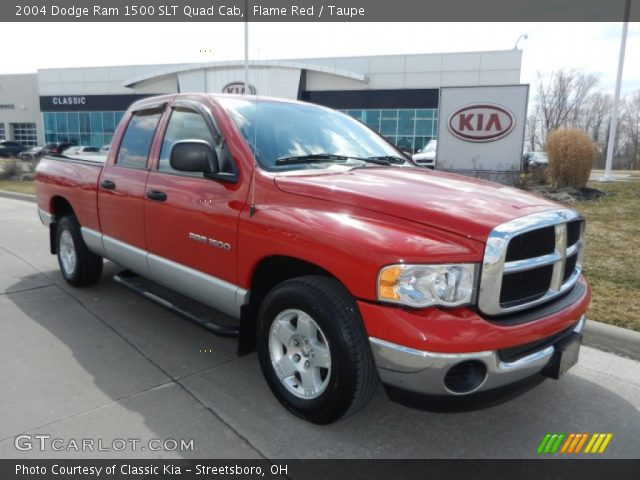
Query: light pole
{"points": [[613, 126], [246, 47], [523, 36]]}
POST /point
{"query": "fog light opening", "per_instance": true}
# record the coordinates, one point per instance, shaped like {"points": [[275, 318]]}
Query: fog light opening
{"points": [[465, 377]]}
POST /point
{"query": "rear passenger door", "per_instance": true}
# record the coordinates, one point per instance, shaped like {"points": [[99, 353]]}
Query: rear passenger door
{"points": [[192, 221], [122, 191]]}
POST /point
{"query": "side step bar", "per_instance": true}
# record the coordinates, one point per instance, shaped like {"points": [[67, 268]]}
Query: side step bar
{"points": [[136, 284]]}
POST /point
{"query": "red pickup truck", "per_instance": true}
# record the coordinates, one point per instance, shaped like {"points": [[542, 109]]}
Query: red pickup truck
{"points": [[344, 263]]}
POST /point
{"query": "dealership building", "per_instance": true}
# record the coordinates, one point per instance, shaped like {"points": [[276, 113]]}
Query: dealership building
{"points": [[397, 95]]}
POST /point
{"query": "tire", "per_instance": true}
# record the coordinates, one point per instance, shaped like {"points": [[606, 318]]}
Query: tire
{"points": [[79, 266], [313, 350]]}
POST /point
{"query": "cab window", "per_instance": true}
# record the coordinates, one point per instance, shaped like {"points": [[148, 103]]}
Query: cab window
{"points": [[184, 124], [137, 138]]}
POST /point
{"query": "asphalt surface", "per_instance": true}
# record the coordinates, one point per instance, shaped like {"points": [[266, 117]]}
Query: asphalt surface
{"points": [[102, 363]]}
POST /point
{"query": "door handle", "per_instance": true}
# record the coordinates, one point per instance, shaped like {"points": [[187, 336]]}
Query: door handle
{"points": [[108, 184], [156, 195]]}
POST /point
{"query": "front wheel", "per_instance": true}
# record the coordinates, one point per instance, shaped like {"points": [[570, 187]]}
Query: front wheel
{"points": [[79, 266], [313, 350]]}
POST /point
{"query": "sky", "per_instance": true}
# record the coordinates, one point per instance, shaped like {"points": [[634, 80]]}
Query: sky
{"points": [[592, 47]]}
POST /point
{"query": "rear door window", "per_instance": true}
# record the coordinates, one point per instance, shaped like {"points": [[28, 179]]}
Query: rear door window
{"points": [[137, 138]]}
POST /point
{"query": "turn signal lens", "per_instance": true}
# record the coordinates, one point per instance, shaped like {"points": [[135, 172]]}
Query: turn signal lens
{"points": [[387, 283]]}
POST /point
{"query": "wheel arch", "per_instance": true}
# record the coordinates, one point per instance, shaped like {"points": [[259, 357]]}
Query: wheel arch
{"points": [[269, 272], [59, 207]]}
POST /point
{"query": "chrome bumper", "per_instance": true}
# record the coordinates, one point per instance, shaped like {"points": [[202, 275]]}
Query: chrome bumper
{"points": [[423, 372]]}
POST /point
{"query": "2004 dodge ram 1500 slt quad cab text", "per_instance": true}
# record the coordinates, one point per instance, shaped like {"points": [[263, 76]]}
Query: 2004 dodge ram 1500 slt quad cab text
{"points": [[343, 261]]}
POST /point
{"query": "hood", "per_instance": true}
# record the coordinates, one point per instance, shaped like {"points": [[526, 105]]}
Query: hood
{"points": [[458, 204]]}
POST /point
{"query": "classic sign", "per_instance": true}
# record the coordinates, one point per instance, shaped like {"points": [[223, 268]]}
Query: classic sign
{"points": [[238, 88], [482, 122]]}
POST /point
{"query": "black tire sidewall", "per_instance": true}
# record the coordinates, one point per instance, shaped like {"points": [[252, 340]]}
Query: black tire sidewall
{"points": [[339, 393]]}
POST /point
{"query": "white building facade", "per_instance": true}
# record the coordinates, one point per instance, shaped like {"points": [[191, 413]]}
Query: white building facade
{"points": [[397, 95]]}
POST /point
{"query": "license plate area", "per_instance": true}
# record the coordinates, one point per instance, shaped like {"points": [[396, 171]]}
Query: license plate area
{"points": [[564, 357]]}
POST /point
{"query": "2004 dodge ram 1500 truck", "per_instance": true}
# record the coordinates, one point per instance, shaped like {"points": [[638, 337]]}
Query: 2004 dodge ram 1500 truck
{"points": [[343, 261]]}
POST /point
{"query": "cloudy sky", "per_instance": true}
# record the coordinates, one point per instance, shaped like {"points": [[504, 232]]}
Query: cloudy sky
{"points": [[592, 47]]}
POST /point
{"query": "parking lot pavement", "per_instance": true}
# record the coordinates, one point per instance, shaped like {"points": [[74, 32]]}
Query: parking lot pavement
{"points": [[103, 363]]}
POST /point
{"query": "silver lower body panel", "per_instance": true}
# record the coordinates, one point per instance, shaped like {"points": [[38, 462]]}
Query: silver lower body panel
{"points": [[212, 291]]}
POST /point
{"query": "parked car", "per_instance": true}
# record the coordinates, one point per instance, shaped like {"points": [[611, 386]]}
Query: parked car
{"points": [[105, 149], [342, 263], [31, 154], [426, 157], [80, 150], [9, 148], [56, 148], [535, 160]]}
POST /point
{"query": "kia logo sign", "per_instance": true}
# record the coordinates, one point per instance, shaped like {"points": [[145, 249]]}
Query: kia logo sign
{"points": [[238, 88], [482, 122]]}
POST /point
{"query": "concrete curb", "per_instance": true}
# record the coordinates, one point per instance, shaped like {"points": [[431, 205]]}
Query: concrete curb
{"points": [[18, 196], [602, 336], [621, 341]]}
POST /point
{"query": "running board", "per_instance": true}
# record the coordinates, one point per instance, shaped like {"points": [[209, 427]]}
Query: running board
{"points": [[138, 284]]}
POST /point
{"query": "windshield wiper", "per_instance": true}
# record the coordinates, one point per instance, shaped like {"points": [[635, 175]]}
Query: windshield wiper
{"points": [[384, 160], [314, 157]]}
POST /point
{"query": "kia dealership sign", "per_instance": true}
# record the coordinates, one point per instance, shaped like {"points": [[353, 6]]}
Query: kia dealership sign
{"points": [[482, 122], [481, 132], [238, 88]]}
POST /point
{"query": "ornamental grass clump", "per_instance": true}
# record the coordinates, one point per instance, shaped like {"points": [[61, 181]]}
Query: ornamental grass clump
{"points": [[571, 154]]}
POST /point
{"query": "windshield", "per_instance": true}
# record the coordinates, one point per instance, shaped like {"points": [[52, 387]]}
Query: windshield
{"points": [[279, 132]]}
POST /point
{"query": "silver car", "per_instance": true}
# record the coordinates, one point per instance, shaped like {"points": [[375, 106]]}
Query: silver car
{"points": [[426, 157]]}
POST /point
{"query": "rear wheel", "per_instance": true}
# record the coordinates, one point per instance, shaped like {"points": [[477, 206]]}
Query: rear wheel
{"points": [[78, 265], [313, 350]]}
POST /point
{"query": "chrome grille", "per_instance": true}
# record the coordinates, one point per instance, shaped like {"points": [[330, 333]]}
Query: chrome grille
{"points": [[531, 260]]}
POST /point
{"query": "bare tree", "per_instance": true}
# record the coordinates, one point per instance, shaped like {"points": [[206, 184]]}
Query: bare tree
{"points": [[630, 127], [532, 134], [596, 114], [561, 98]]}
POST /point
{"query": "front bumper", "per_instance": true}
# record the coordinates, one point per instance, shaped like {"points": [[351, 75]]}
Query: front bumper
{"points": [[424, 372]]}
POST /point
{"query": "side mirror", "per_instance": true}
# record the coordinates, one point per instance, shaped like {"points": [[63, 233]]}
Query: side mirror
{"points": [[193, 156]]}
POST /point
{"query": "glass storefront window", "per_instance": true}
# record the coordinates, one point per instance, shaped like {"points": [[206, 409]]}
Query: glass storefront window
{"points": [[50, 123], [85, 122], [82, 128], [410, 129], [61, 121], [108, 122], [372, 119], [73, 122], [406, 119], [96, 122]]}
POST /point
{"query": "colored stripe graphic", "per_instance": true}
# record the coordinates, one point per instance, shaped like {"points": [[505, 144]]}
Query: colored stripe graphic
{"points": [[573, 443], [604, 445], [543, 443]]}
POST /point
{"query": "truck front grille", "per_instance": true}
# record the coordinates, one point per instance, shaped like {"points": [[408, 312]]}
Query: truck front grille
{"points": [[531, 260], [531, 244]]}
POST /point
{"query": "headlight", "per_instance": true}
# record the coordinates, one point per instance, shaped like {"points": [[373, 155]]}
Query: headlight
{"points": [[427, 285]]}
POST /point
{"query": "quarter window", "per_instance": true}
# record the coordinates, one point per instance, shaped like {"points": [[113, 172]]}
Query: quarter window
{"points": [[136, 142]]}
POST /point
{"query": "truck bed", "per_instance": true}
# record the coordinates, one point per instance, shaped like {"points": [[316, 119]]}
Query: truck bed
{"points": [[74, 178]]}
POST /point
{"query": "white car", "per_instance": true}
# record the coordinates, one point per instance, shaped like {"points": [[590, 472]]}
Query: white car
{"points": [[80, 150], [426, 157]]}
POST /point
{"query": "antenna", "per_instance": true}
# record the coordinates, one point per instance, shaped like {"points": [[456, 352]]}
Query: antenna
{"points": [[252, 208]]}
